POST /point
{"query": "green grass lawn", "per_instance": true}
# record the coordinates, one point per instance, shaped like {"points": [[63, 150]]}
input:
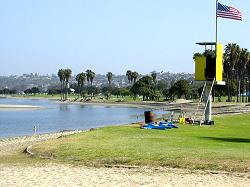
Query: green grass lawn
{"points": [[225, 146]]}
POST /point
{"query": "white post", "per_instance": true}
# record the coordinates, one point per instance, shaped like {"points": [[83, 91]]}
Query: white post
{"points": [[208, 112], [34, 130]]}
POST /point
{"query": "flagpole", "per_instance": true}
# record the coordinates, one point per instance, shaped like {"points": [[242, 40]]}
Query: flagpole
{"points": [[216, 29]]}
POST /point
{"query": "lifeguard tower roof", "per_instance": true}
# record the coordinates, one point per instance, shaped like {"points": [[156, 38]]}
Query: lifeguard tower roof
{"points": [[206, 43]]}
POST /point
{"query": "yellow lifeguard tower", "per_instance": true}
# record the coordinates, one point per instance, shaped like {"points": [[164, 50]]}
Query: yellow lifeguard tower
{"points": [[209, 69]]}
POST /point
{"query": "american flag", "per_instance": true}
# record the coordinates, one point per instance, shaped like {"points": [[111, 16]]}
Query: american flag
{"points": [[228, 12]]}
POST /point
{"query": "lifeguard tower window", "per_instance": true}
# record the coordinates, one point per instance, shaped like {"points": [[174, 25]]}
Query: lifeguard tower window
{"points": [[210, 71]]}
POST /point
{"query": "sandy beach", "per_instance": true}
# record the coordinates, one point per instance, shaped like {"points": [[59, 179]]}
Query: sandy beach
{"points": [[54, 174], [18, 107], [65, 175]]}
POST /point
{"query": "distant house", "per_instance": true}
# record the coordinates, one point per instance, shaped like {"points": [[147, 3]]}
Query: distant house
{"points": [[245, 94], [72, 90]]}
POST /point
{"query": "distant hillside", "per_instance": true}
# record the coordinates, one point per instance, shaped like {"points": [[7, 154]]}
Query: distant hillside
{"points": [[26, 81]]}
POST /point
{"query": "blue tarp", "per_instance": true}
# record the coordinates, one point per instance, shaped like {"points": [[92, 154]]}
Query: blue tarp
{"points": [[160, 126]]}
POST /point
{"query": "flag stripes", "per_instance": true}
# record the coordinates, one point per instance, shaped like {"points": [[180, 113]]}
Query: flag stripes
{"points": [[228, 12]]}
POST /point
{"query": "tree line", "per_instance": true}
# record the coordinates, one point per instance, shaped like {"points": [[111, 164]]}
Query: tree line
{"points": [[237, 71], [145, 86], [64, 76], [7, 91]]}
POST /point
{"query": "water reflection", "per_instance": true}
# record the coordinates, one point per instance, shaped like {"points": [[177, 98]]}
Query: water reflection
{"points": [[64, 108], [82, 106]]}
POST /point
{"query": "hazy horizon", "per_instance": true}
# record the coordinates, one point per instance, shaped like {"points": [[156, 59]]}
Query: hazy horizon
{"points": [[44, 36], [104, 74]]}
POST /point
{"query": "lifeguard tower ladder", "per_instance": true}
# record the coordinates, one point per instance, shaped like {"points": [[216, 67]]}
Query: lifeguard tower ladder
{"points": [[208, 70]]}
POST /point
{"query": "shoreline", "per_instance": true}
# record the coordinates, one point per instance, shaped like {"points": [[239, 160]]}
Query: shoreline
{"points": [[181, 105], [63, 132], [121, 104], [9, 145], [186, 107]]}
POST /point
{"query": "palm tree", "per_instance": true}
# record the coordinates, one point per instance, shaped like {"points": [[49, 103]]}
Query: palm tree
{"points": [[68, 73], [80, 78], [128, 74], [244, 55], [248, 75], [83, 79], [227, 70], [88, 74], [231, 57], [134, 76], [92, 76], [154, 76], [61, 76], [109, 76]]}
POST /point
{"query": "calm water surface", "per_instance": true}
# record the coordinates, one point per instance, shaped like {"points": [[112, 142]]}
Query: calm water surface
{"points": [[57, 117]]}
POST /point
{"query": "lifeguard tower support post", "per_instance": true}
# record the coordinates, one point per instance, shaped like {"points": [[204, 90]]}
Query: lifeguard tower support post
{"points": [[209, 69]]}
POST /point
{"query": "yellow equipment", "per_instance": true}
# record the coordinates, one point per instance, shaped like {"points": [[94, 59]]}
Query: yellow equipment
{"points": [[182, 121]]}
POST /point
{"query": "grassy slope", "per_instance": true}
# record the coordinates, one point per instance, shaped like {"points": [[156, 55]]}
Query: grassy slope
{"points": [[225, 146]]}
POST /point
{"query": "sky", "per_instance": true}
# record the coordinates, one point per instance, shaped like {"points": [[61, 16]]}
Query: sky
{"points": [[43, 36]]}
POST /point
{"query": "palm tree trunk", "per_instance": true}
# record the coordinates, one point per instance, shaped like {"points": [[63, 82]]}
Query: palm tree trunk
{"points": [[249, 89], [61, 91], [79, 90], [66, 90], [246, 90], [243, 90], [228, 88], [91, 90], [239, 90]]}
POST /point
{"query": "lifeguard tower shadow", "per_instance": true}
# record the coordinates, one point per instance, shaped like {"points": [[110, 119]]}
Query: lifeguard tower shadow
{"points": [[233, 140]]}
